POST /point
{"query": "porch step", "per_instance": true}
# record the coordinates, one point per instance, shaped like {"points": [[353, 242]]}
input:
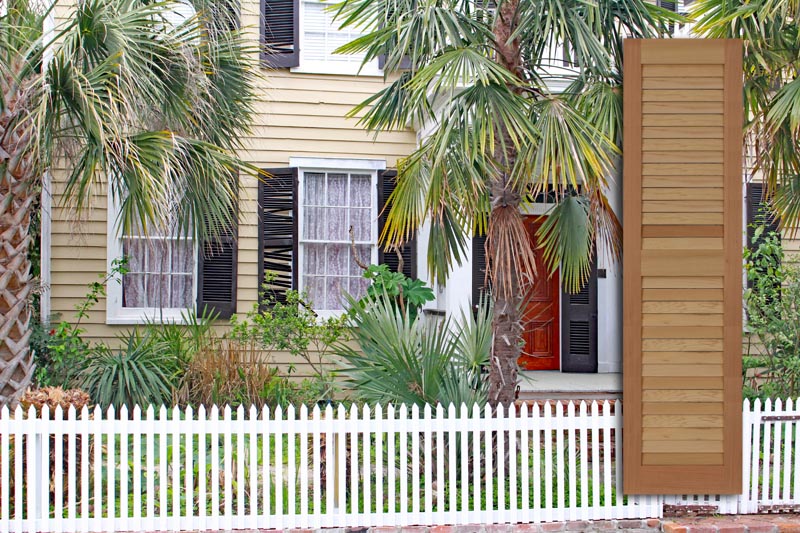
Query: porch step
{"points": [[536, 386]]}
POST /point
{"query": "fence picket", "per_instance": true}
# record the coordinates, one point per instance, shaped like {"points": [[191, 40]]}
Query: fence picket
{"points": [[366, 466]]}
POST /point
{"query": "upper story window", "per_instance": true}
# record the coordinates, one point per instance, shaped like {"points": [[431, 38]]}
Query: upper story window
{"points": [[302, 35]]}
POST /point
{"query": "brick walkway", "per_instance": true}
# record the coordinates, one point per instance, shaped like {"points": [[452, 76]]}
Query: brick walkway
{"points": [[776, 523]]}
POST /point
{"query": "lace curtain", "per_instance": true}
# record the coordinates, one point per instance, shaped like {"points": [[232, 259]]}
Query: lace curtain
{"points": [[332, 203], [160, 272]]}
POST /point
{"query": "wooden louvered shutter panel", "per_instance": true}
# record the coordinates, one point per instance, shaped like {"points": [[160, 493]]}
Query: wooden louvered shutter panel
{"points": [[386, 184], [280, 33], [682, 287], [217, 272], [579, 327], [479, 281], [277, 224]]}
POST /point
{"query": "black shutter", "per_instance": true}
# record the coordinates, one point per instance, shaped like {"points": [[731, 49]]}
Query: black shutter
{"points": [[217, 271], [579, 327], [280, 33], [759, 214], [479, 281], [277, 229], [387, 180]]}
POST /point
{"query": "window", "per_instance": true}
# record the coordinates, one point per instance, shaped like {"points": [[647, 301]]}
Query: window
{"points": [[332, 202], [160, 282], [320, 36]]}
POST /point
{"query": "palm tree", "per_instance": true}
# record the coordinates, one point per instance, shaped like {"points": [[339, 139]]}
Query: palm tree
{"points": [[521, 97], [149, 98], [771, 89]]}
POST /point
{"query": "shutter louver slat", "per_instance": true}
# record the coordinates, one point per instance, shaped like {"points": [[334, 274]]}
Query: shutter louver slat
{"points": [[386, 184], [478, 269], [217, 273], [579, 327], [278, 233], [280, 33]]}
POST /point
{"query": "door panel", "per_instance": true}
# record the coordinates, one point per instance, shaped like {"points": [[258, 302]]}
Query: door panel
{"points": [[541, 317]]}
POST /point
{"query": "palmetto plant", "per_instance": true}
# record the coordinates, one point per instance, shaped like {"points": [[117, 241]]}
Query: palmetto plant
{"points": [[771, 88], [127, 94], [521, 97]]}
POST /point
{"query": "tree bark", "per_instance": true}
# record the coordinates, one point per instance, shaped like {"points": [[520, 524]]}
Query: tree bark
{"points": [[17, 200], [506, 283]]}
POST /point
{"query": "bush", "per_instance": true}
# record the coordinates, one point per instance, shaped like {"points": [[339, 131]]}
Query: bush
{"points": [[414, 360], [772, 361], [138, 373], [231, 371]]}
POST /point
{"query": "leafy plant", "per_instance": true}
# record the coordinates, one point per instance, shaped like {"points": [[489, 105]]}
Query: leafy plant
{"points": [[772, 363], [401, 359], [138, 373], [293, 327], [402, 290]]}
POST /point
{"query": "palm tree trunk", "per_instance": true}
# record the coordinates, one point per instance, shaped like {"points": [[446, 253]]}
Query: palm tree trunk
{"points": [[506, 286], [17, 197]]}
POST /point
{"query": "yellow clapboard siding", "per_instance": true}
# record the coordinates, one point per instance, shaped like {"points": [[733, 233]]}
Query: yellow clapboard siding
{"points": [[668, 434], [681, 370], [682, 282], [667, 459], [682, 395], [681, 193], [689, 263], [681, 446], [674, 345], [682, 319], [677, 243], [678, 72], [678, 169], [676, 108], [682, 120], [681, 421], [682, 218], [681, 132], [682, 358], [682, 95], [672, 156], [684, 383], [683, 52], [682, 84], [681, 332], [682, 408], [682, 145], [671, 295]]}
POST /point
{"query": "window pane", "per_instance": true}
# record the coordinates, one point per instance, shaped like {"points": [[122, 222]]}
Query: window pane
{"points": [[314, 223], [334, 288], [314, 260], [134, 250], [337, 229], [314, 188], [361, 220], [315, 291], [157, 256], [157, 286], [182, 257], [365, 254], [361, 190], [338, 259], [133, 290], [181, 291], [358, 287], [337, 190]]}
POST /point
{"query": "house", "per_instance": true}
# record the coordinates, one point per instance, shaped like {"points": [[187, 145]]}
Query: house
{"points": [[328, 175]]}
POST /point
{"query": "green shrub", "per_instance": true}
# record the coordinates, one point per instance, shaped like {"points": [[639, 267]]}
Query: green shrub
{"points": [[402, 291], [772, 361], [138, 373], [408, 360]]}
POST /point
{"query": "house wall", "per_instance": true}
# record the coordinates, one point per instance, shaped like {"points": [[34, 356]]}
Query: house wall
{"points": [[298, 115]]}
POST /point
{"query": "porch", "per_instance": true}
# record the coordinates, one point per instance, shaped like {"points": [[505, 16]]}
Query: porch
{"points": [[555, 385]]}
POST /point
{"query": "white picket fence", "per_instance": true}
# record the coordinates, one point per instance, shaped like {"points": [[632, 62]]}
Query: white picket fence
{"points": [[333, 467]]}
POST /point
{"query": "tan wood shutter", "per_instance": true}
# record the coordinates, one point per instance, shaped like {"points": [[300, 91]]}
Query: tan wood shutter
{"points": [[682, 266]]}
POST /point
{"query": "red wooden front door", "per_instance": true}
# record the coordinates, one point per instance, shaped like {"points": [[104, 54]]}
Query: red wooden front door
{"points": [[541, 318]]}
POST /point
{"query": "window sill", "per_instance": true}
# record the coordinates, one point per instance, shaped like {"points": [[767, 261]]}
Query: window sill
{"points": [[332, 69], [138, 317]]}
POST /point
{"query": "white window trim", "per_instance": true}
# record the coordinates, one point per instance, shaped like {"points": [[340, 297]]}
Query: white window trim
{"points": [[306, 66], [351, 166], [116, 314]]}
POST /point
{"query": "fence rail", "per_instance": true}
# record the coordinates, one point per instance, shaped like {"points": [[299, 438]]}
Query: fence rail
{"points": [[175, 469]]}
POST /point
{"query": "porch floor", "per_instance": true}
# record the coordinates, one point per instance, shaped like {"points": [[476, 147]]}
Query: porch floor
{"points": [[555, 385]]}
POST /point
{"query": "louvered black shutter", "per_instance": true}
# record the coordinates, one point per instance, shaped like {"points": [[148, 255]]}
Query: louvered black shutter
{"points": [[386, 184], [759, 214], [579, 327], [217, 272], [280, 33], [277, 229], [478, 269], [671, 6]]}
